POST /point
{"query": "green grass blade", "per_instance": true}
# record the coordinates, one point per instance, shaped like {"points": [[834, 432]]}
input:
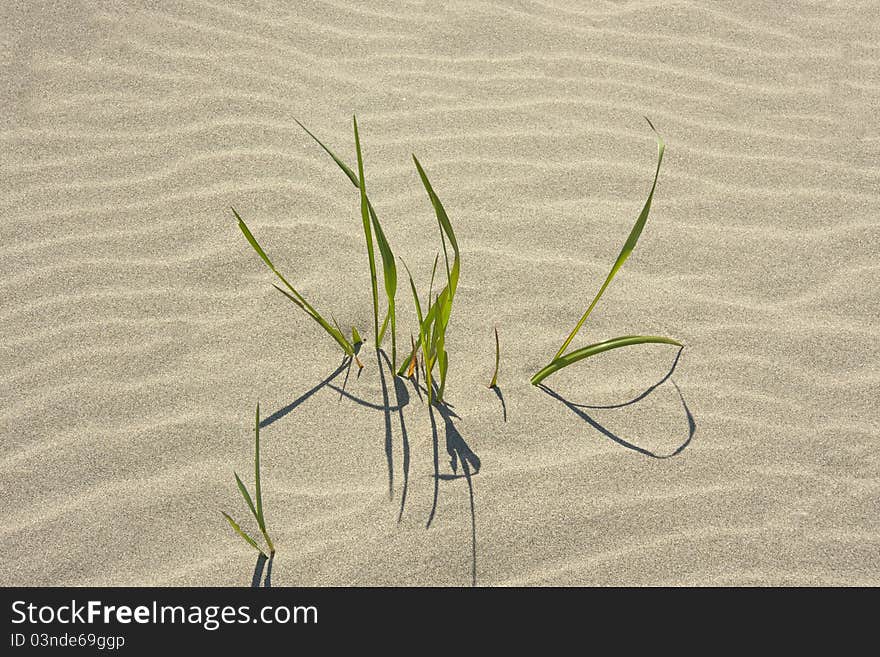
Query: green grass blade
{"points": [[433, 273], [389, 267], [593, 349], [415, 294], [389, 275], [345, 169], [258, 489], [445, 226], [322, 323], [246, 495], [628, 247], [384, 326], [294, 295], [243, 534], [445, 298], [423, 338], [494, 383], [424, 322], [292, 298], [368, 233]]}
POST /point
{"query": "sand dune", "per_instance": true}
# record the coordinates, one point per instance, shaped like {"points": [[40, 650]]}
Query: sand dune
{"points": [[138, 330]]}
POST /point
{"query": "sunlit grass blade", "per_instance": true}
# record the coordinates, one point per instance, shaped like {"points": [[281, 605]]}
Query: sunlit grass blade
{"points": [[443, 304], [425, 321], [243, 534], [245, 494], [368, 232], [294, 295], [494, 382], [389, 274], [258, 488], [628, 247], [294, 300], [255, 504], [593, 349], [423, 337], [345, 168], [389, 267]]}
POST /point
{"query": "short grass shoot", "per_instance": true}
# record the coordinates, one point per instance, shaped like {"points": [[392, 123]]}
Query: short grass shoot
{"points": [[494, 382], [255, 504]]}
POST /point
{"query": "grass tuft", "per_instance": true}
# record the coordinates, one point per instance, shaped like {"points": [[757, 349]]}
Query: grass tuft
{"points": [[255, 507], [434, 323], [561, 360]]}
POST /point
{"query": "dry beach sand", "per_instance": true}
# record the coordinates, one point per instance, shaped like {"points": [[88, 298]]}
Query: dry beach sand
{"points": [[139, 329]]}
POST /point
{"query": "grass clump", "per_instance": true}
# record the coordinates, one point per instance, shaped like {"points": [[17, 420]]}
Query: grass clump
{"points": [[561, 359], [371, 227], [434, 323], [254, 504]]}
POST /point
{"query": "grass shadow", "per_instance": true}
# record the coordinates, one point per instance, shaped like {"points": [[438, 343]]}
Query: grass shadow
{"points": [[281, 412], [497, 390], [581, 413], [461, 454], [642, 395], [401, 400], [262, 564]]}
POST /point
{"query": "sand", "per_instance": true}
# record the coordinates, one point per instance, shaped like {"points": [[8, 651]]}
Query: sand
{"points": [[138, 330]]}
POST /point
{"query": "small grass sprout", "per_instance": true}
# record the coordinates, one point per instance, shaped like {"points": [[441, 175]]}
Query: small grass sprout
{"points": [[294, 296], [494, 382], [561, 359], [254, 504]]}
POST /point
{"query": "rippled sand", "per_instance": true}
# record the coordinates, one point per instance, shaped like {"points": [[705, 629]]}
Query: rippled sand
{"points": [[138, 330]]}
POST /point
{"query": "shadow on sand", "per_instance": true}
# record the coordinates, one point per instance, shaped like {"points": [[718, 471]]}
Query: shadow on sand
{"points": [[578, 409], [281, 412], [258, 581], [459, 452], [463, 462], [497, 390]]}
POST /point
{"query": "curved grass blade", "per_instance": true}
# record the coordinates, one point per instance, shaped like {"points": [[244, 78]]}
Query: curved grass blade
{"points": [[243, 534], [389, 267], [294, 296], [628, 247], [494, 383], [593, 349]]}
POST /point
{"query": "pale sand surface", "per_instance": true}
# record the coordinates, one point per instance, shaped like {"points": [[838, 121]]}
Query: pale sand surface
{"points": [[138, 330]]}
